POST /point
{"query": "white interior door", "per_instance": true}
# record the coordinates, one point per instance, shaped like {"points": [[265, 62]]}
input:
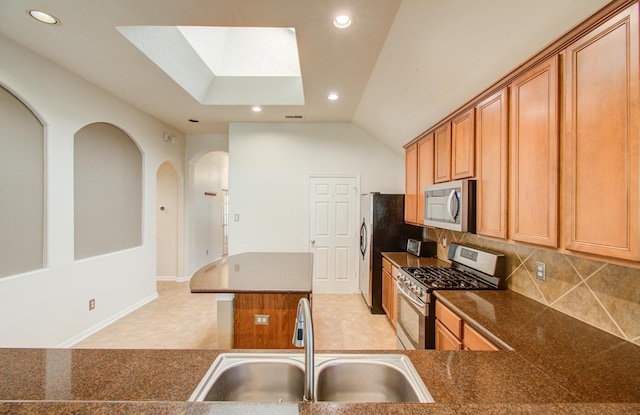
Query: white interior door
{"points": [[332, 231]]}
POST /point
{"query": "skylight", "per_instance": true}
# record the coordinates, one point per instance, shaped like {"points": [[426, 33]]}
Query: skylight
{"points": [[226, 65]]}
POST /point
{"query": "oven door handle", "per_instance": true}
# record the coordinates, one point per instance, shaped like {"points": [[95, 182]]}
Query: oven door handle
{"points": [[401, 290]]}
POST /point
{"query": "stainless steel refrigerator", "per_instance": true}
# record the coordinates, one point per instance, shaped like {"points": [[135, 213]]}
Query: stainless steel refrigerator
{"points": [[382, 229]]}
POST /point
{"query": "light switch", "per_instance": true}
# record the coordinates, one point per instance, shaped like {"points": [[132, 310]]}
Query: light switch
{"points": [[236, 217]]}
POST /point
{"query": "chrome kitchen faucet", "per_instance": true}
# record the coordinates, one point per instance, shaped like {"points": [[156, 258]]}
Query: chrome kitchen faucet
{"points": [[303, 336]]}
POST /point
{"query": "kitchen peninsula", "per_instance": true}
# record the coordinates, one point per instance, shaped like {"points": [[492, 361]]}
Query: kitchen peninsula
{"points": [[258, 293]]}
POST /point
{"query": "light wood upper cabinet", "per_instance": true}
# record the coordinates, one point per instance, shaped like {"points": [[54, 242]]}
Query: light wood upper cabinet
{"points": [[491, 165], [463, 145], [602, 138], [442, 164], [411, 184], [533, 120], [425, 171]]}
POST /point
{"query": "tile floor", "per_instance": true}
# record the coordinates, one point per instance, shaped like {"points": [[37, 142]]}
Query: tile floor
{"points": [[178, 319]]}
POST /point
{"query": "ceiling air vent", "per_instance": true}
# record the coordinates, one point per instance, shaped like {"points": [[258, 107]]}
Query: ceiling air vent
{"points": [[293, 117]]}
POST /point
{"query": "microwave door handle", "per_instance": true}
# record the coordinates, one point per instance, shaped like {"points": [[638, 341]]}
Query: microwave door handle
{"points": [[452, 212]]}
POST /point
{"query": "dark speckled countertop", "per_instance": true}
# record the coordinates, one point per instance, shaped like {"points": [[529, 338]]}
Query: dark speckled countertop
{"points": [[264, 272], [557, 365]]}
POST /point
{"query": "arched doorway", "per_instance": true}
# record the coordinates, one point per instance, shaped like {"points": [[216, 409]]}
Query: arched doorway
{"points": [[167, 221], [208, 194]]}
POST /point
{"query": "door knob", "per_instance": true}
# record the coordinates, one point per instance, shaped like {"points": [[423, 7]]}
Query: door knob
{"points": [[313, 242]]}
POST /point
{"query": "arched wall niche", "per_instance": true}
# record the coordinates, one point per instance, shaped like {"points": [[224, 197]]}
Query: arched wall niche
{"points": [[22, 187], [108, 183]]}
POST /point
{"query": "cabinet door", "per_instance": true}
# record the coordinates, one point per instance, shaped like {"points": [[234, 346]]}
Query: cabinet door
{"points": [[425, 172], [602, 138], [472, 340], [449, 319], [445, 340], [463, 146], [393, 298], [491, 165], [533, 119], [411, 183], [386, 287], [442, 165]]}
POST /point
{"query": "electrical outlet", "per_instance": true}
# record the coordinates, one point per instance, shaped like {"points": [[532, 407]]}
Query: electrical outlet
{"points": [[261, 319], [92, 304], [541, 272]]}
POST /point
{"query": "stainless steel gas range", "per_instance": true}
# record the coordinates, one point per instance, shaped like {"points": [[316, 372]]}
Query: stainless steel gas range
{"points": [[471, 269]]}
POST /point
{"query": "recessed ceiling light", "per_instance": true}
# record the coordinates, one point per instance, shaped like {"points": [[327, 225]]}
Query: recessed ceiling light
{"points": [[342, 21], [256, 109], [333, 96], [41, 16]]}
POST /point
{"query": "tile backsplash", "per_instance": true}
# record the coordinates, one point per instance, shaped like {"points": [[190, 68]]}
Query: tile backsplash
{"points": [[601, 294]]}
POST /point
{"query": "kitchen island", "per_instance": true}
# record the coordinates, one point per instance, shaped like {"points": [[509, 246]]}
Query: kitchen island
{"points": [[257, 296]]}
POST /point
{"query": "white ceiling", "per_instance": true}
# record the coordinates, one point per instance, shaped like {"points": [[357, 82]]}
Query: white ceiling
{"points": [[400, 67]]}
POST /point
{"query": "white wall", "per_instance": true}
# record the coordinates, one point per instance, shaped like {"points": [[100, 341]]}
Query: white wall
{"points": [[48, 307], [268, 169]]}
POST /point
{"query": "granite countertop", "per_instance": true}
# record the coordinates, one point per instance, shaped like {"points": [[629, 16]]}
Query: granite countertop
{"points": [[263, 272], [82, 381], [405, 259], [556, 364], [590, 364]]}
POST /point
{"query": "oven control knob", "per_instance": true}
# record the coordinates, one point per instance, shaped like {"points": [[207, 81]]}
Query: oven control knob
{"points": [[418, 292]]}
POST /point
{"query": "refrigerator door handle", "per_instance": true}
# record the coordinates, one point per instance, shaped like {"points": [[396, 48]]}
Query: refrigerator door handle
{"points": [[363, 238]]}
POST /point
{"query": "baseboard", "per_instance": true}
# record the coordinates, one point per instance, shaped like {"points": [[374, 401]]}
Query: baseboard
{"points": [[94, 329]]}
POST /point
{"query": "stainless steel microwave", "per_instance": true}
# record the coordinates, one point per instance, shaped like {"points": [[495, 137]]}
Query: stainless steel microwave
{"points": [[451, 205]]}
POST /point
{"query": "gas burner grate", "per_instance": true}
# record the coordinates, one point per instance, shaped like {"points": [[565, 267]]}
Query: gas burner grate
{"points": [[445, 278]]}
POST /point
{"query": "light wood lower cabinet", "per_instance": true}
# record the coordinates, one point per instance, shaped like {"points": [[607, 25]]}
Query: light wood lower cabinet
{"points": [[453, 333], [281, 309], [389, 291], [445, 340]]}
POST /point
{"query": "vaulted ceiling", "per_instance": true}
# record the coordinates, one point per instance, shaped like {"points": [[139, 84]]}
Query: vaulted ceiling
{"points": [[400, 67]]}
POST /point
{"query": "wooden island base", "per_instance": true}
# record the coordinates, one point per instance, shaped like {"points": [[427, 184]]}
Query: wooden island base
{"points": [[281, 310]]}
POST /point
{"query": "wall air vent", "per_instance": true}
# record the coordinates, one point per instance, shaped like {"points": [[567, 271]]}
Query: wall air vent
{"points": [[293, 117]]}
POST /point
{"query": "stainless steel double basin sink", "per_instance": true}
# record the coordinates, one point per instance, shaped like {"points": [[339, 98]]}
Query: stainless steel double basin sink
{"points": [[279, 377]]}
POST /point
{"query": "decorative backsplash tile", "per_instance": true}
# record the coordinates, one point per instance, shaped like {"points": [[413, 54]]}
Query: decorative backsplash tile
{"points": [[601, 294]]}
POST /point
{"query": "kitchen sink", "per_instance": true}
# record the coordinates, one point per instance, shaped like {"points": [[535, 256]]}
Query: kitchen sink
{"points": [[383, 378], [250, 377], [279, 377]]}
